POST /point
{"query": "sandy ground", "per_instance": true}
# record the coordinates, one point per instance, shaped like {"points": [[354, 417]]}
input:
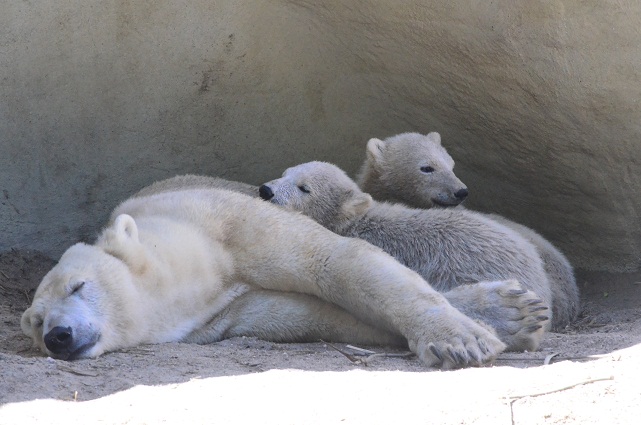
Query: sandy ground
{"points": [[588, 374]]}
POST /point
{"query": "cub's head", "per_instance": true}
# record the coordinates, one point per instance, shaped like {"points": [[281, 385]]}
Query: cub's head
{"points": [[412, 168], [319, 190], [81, 308]]}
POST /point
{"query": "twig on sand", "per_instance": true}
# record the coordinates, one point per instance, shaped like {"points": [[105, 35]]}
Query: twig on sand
{"points": [[549, 357], [558, 390], [362, 350], [350, 357], [365, 361], [514, 398], [557, 355]]}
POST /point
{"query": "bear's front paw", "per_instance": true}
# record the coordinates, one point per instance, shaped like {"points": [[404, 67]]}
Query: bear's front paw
{"points": [[472, 345]]}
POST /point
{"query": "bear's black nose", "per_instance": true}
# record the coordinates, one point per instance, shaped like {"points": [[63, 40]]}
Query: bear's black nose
{"points": [[461, 194], [59, 339], [265, 192]]}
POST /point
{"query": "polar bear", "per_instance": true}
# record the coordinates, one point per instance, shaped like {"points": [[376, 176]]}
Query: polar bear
{"points": [[504, 304], [447, 247], [201, 264], [416, 170], [411, 168]]}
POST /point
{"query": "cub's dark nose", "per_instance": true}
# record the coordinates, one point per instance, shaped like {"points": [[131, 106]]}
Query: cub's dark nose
{"points": [[59, 339], [265, 192], [461, 194]]}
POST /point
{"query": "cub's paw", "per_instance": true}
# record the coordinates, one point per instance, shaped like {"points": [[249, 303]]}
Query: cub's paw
{"points": [[456, 341], [518, 316]]}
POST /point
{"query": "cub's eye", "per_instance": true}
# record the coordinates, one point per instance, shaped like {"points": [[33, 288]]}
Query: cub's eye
{"points": [[77, 287], [427, 169], [303, 188]]}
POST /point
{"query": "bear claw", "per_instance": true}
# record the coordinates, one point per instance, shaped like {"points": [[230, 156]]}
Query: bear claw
{"points": [[513, 312], [435, 351], [533, 328], [539, 308]]}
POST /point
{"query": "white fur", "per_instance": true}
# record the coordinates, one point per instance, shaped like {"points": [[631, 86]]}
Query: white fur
{"points": [[391, 172], [448, 247], [202, 264]]}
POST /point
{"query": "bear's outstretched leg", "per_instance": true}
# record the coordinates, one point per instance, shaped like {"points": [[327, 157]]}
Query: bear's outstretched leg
{"points": [[270, 248], [290, 317], [518, 316], [363, 280]]}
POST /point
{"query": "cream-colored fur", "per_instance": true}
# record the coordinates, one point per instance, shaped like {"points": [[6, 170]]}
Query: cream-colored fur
{"points": [[193, 181], [392, 171], [449, 248], [411, 166], [203, 264], [565, 292]]}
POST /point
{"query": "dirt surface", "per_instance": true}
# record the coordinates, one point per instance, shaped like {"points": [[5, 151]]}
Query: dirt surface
{"points": [[588, 374]]}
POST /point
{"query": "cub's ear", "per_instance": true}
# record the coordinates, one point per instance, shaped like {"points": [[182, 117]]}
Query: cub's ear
{"points": [[357, 205], [375, 150], [125, 228], [434, 137]]}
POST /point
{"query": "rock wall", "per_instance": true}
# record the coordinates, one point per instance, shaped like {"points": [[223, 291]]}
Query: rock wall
{"points": [[538, 102]]}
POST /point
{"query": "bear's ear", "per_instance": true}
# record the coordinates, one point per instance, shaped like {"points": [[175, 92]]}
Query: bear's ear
{"points": [[121, 241], [25, 322], [357, 205], [375, 150], [125, 228], [434, 137]]}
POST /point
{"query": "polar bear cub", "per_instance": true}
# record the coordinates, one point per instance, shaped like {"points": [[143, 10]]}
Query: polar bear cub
{"points": [[416, 170], [411, 167], [448, 247], [201, 264]]}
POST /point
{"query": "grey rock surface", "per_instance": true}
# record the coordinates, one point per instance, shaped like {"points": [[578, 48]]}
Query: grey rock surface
{"points": [[538, 102]]}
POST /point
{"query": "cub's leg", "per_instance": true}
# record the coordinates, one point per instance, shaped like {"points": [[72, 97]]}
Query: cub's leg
{"points": [[518, 316], [290, 317]]}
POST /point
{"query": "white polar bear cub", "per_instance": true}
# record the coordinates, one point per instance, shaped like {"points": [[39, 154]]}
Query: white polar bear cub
{"points": [[411, 167], [449, 248], [417, 170], [201, 264]]}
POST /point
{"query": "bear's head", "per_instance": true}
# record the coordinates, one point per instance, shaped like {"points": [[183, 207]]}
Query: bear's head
{"points": [[411, 168], [319, 190], [83, 306]]}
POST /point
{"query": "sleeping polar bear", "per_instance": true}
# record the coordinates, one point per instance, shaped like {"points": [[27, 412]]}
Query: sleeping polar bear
{"points": [[200, 264]]}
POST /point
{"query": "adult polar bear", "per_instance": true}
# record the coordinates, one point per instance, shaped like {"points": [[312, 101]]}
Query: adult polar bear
{"points": [[416, 170], [200, 264]]}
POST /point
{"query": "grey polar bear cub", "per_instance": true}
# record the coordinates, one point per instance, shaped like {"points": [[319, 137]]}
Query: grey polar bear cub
{"points": [[448, 248], [184, 260], [416, 170]]}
